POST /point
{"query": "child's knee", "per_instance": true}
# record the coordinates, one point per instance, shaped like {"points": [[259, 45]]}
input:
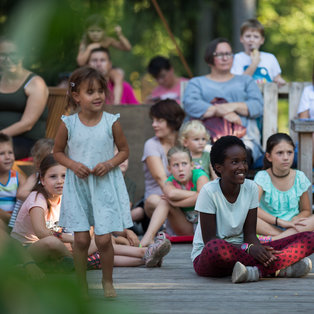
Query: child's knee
{"points": [[103, 241], [82, 243]]}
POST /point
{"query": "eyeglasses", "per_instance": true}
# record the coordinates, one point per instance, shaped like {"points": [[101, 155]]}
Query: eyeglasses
{"points": [[14, 57], [220, 55]]}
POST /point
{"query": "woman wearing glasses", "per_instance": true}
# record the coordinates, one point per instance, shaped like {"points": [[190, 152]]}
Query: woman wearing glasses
{"points": [[240, 100], [23, 97]]}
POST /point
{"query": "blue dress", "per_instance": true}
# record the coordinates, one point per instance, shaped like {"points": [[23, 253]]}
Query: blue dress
{"points": [[281, 204], [102, 202]]}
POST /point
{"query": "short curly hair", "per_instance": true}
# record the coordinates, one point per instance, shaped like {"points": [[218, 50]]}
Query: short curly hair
{"points": [[218, 150], [169, 110]]}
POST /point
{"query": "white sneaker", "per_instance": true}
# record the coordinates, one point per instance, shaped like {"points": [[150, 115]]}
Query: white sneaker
{"points": [[243, 273], [298, 269]]}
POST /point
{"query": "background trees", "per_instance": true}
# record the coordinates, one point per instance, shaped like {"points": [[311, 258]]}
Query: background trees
{"points": [[49, 31]]}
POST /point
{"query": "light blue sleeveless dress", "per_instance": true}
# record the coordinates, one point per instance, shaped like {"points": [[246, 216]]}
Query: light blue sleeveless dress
{"points": [[281, 204], [102, 202]]}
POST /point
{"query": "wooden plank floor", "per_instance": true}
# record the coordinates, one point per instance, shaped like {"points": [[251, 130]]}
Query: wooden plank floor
{"points": [[175, 288]]}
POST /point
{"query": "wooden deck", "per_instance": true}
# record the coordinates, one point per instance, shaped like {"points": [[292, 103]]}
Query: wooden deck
{"points": [[175, 288]]}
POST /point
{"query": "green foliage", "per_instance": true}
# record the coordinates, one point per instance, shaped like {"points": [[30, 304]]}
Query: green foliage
{"points": [[49, 32], [289, 28]]}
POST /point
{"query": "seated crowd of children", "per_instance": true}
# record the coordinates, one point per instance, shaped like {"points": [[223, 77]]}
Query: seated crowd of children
{"points": [[76, 209]]}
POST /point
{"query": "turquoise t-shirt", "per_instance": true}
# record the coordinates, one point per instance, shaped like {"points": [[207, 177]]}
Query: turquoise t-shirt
{"points": [[190, 186], [281, 204]]}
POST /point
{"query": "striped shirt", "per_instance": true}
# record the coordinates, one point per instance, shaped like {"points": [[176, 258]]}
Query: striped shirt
{"points": [[8, 192]]}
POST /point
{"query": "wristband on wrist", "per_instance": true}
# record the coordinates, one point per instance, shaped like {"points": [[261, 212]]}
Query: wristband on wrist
{"points": [[248, 249], [276, 221]]}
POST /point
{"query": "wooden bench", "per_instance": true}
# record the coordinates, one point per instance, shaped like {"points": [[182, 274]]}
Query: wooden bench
{"points": [[56, 108]]}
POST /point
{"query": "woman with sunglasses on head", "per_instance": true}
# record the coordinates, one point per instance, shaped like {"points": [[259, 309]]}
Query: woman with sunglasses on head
{"points": [[239, 98], [23, 98]]}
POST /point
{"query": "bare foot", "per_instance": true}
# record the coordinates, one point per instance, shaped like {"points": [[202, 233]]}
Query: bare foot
{"points": [[109, 289]]}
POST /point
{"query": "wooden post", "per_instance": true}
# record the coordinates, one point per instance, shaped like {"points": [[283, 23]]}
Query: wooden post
{"points": [[270, 123], [295, 92]]}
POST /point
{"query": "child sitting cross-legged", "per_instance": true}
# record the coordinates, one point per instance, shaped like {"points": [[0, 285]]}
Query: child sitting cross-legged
{"points": [[225, 241], [177, 204]]}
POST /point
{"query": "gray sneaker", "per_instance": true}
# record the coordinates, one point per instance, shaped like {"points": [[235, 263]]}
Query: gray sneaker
{"points": [[298, 269], [243, 273]]}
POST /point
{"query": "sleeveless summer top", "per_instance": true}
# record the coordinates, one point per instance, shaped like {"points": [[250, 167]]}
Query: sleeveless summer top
{"points": [[12, 106]]}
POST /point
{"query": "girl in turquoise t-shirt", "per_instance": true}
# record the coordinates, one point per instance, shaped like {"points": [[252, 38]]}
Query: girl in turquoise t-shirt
{"points": [[284, 207], [181, 191]]}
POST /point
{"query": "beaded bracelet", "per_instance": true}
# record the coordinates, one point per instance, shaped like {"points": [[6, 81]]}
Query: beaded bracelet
{"points": [[244, 246]]}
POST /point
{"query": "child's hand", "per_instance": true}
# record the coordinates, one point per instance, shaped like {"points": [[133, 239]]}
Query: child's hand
{"points": [[286, 224], [118, 30], [80, 170], [132, 237], [255, 56], [263, 254], [102, 168], [279, 81]]}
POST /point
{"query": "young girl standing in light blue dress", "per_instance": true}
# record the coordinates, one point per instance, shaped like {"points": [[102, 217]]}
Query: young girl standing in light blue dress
{"points": [[94, 191]]}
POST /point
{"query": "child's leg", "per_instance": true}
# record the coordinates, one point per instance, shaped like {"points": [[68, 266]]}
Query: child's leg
{"points": [[178, 222], [131, 251], [263, 227], [127, 261], [137, 213], [151, 203], [218, 257], [159, 216], [105, 249], [294, 248], [48, 248], [80, 252]]}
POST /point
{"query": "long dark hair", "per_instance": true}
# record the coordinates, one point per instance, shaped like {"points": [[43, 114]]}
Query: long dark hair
{"points": [[272, 141], [46, 163]]}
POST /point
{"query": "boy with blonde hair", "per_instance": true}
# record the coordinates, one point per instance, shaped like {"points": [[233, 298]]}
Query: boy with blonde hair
{"points": [[262, 66]]}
